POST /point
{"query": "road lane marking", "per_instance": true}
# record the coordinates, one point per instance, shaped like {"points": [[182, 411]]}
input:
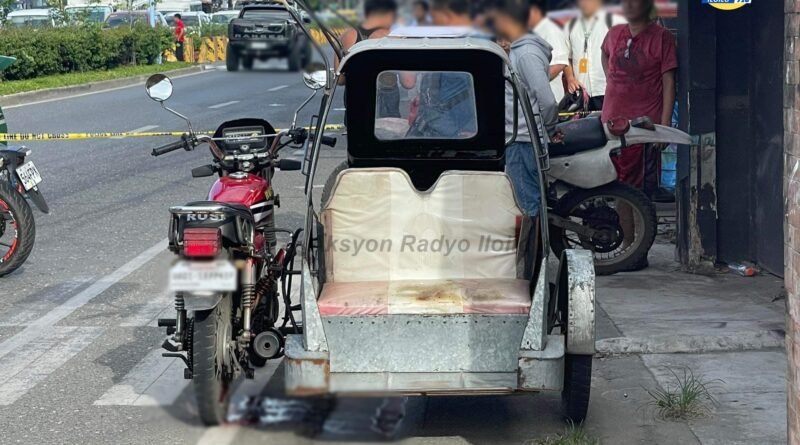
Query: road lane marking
{"points": [[47, 321], [340, 109], [279, 87], [154, 381], [40, 360], [137, 130], [44, 300], [55, 99], [223, 104], [316, 186], [147, 313]]}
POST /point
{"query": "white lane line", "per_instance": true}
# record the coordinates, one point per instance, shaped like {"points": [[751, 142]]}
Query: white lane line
{"points": [[48, 321], [46, 363], [219, 435], [316, 186], [137, 130], [44, 300], [279, 87], [55, 99], [148, 312], [223, 104], [154, 381], [339, 109]]}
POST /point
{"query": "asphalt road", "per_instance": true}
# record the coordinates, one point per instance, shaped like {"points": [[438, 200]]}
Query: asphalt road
{"points": [[79, 351]]}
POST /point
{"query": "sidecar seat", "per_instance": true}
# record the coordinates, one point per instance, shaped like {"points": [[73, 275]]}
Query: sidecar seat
{"points": [[453, 249]]}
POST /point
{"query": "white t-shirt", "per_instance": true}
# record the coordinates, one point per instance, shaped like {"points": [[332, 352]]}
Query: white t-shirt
{"points": [[555, 36], [585, 41]]}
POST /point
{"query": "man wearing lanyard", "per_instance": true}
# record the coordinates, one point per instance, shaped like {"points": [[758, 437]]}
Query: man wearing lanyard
{"points": [[585, 35]]}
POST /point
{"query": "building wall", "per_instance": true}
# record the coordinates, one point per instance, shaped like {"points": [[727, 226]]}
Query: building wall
{"points": [[791, 178]]}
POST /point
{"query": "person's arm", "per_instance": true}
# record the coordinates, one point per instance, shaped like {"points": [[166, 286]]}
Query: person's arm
{"points": [[348, 39], [555, 70], [533, 73]]}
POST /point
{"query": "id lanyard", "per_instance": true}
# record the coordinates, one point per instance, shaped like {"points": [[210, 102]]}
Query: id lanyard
{"points": [[583, 67]]}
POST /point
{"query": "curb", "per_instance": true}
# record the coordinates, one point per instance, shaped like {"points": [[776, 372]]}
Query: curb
{"points": [[691, 344], [91, 87]]}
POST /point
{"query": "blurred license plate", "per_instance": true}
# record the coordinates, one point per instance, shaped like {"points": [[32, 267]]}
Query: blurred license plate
{"points": [[192, 276], [28, 175], [258, 45]]}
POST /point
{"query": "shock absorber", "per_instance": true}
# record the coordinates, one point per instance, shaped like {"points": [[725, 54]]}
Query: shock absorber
{"points": [[180, 318], [248, 295]]}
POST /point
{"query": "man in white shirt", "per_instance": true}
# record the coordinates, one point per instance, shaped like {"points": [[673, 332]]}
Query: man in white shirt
{"points": [[539, 23], [585, 35]]}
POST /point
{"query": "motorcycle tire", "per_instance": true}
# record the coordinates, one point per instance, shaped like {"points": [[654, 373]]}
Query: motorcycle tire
{"points": [[638, 200], [231, 59], [212, 376], [14, 205]]}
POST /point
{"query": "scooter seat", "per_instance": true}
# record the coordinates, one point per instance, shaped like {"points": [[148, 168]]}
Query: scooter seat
{"points": [[579, 135]]}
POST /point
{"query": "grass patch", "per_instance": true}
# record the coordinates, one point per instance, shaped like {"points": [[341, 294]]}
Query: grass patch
{"points": [[69, 79], [687, 397], [572, 435]]}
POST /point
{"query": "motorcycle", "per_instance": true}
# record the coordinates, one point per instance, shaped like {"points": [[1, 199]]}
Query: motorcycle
{"points": [[589, 208], [228, 270], [19, 179]]}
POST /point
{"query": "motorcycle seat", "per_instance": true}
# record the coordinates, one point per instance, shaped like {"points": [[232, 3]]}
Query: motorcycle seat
{"points": [[579, 135], [239, 210]]}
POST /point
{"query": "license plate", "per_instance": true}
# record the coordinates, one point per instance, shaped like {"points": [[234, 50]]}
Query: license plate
{"points": [[258, 45], [195, 276], [28, 175]]}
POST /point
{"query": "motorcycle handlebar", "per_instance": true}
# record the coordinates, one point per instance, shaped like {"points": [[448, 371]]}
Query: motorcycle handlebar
{"points": [[164, 149], [330, 141]]}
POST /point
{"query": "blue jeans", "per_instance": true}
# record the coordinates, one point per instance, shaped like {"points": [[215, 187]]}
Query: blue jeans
{"points": [[522, 168]]}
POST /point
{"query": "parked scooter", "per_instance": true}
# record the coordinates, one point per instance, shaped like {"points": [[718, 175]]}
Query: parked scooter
{"points": [[228, 269], [589, 208]]}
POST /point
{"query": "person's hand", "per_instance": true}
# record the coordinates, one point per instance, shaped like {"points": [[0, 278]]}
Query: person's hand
{"points": [[573, 85]]}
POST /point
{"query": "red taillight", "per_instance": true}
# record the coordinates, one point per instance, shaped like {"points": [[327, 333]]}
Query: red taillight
{"points": [[201, 242]]}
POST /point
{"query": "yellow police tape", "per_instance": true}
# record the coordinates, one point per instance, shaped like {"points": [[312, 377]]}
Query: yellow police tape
{"points": [[108, 135]]}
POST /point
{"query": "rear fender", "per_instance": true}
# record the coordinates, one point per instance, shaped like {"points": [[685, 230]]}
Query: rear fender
{"points": [[587, 169], [201, 302]]}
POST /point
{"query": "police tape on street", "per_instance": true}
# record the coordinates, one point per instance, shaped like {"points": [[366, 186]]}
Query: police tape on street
{"points": [[109, 135]]}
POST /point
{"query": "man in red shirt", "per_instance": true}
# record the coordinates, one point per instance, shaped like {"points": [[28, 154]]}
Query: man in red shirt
{"points": [[180, 37], [639, 59]]}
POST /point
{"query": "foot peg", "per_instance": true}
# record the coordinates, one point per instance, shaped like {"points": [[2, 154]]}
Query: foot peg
{"points": [[168, 323]]}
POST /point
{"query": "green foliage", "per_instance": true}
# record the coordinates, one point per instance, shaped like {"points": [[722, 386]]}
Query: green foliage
{"points": [[687, 398], [79, 48], [572, 435]]}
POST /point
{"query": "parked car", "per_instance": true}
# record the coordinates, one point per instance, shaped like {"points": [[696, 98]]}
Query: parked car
{"points": [[224, 17], [263, 31], [191, 19], [88, 13], [130, 18], [33, 18]]}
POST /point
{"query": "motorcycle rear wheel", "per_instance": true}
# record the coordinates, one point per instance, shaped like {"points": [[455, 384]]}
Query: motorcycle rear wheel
{"points": [[617, 257], [213, 370], [17, 229]]}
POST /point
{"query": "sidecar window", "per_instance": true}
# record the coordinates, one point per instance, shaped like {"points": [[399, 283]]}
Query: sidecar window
{"points": [[425, 105]]}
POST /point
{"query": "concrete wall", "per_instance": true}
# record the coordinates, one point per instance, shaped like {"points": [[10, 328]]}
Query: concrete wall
{"points": [[791, 104]]}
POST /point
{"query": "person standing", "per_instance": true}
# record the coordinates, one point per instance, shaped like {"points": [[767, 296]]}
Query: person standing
{"points": [[180, 37], [421, 11], [640, 61], [585, 35], [530, 59], [539, 23]]}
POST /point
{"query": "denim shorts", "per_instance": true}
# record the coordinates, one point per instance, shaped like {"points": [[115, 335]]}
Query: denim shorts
{"points": [[521, 167]]}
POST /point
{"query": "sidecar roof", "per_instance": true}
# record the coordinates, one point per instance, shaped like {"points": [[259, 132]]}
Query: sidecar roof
{"points": [[476, 58]]}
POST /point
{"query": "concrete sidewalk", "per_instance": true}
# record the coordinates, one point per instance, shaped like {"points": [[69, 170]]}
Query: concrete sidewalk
{"points": [[662, 320]]}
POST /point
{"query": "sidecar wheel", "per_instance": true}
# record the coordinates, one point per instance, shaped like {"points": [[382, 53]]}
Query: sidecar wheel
{"points": [[577, 387], [213, 372]]}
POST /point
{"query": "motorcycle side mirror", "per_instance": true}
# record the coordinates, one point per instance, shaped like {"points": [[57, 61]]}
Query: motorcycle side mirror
{"points": [[158, 87], [315, 76]]}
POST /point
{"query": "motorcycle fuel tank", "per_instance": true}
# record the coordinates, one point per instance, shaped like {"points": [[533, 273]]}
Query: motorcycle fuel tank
{"points": [[241, 188]]}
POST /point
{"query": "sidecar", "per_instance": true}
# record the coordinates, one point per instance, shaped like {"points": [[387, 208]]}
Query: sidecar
{"points": [[420, 273]]}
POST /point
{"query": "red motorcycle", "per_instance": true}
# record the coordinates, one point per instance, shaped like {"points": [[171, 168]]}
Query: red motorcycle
{"points": [[228, 270]]}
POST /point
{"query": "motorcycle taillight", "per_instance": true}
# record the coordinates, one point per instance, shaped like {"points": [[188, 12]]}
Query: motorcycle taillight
{"points": [[201, 242]]}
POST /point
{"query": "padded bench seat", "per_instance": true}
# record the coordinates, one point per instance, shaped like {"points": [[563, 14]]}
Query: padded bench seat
{"points": [[453, 296]]}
